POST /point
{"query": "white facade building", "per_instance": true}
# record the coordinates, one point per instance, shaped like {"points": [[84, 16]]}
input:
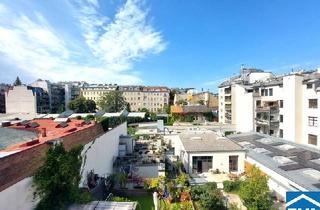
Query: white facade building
{"points": [[26, 99], [202, 152], [282, 106]]}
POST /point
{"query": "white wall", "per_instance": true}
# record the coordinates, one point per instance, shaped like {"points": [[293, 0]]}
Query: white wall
{"points": [[18, 196], [99, 157], [20, 100], [220, 160], [242, 109], [292, 108], [102, 152]]}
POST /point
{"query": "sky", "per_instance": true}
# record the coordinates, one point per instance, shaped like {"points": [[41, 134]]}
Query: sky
{"points": [[176, 43]]}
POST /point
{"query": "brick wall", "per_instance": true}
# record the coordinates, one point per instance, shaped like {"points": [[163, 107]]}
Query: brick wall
{"points": [[15, 167]]}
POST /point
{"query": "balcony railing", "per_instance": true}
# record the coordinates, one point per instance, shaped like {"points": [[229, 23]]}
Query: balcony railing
{"points": [[272, 109]]}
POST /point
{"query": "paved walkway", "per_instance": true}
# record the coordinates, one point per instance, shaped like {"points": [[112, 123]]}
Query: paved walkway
{"points": [[234, 199]]}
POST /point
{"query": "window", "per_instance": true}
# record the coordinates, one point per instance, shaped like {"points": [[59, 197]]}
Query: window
{"points": [[271, 132], [281, 103], [313, 103], [258, 103], [281, 118], [312, 139], [313, 121], [270, 92], [233, 163], [309, 86], [266, 92], [281, 133], [262, 92]]}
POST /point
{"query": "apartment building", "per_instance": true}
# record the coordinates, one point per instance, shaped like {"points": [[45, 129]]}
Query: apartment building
{"points": [[71, 90], [56, 94], [27, 99], [154, 98], [236, 98], [95, 91], [3, 89], [193, 98], [282, 106]]}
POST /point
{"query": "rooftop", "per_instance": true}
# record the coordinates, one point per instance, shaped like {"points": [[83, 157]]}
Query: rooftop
{"points": [[296, 162], [16, 136], [9, 136], [207, 142], [105, 205]]}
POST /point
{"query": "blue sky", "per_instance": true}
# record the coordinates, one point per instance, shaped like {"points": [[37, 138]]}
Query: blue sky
{"points": [[155, 42]]}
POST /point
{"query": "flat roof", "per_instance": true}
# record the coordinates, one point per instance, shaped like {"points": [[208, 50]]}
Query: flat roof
{"points": [[9, 136], [207, 142], [14, 136], [105, 205], [296, 162]]}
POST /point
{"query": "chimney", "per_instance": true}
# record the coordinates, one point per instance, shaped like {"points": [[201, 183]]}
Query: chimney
{"points": [[43, 132]]}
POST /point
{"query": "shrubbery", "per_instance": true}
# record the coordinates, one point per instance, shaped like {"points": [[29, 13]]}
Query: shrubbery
{"points": [[231, 186]]}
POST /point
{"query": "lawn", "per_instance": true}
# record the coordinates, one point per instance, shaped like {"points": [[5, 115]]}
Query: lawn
{"points": [[145, 202]]}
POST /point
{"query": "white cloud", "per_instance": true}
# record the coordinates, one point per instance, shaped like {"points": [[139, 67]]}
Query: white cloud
{"points": [[127, 38], [37, 49]]}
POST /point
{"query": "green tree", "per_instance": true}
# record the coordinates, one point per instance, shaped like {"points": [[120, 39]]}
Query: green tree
{"points": [[113, 101], [82, 105], [57, 180], [17, 82], [166, 109], [254, 191]]}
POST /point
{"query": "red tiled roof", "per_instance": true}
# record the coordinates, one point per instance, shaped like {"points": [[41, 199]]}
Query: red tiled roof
{"points": [[52, 131]]}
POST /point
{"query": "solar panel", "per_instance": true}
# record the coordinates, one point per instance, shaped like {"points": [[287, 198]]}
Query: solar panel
{"points": [[65, 114], [99, 113], [62, 125], [32, 125]]}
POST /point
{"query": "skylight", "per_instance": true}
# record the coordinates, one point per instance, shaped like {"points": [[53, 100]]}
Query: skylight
{"points": [[282, 160], [285, 147], [312, 173]]}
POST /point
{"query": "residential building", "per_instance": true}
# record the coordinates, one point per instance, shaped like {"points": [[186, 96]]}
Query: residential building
{"points": [[154, 98], [95, 91], [3, 89], [56, 94], [283, 106], [27, 99], [24, 145], [289, 166], [71, 90], [192, 112], [193, 98], [203, 152]]}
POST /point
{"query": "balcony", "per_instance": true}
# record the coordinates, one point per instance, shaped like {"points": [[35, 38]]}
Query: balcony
{"points": [[227, 107], [270, 109], [266, 122]]}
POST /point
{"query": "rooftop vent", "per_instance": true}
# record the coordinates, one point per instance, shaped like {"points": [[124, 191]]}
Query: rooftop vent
{"points": [[312, 173], [282, 160], [261, 150], [32, 125], [285, 147]]}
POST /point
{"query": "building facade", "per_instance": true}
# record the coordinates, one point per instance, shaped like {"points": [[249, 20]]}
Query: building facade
{"points": [[27, 99], [3, 89], [56, 94], [282, 106], [95, 91], [153, 98], [192, 98]]}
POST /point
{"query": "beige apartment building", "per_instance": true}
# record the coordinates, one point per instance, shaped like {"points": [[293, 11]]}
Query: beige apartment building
{"points": [[95, 91], [154, 98]]}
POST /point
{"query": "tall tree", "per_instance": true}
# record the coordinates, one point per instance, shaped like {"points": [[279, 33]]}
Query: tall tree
{"points": [[57, 180], [17, 82], [113, 101], [254, 191], [82, 105]]}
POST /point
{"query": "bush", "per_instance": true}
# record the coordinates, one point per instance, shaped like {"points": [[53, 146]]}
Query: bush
{"points": [[230, 186], [78, 117], [89, 117], [199, 190]]}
